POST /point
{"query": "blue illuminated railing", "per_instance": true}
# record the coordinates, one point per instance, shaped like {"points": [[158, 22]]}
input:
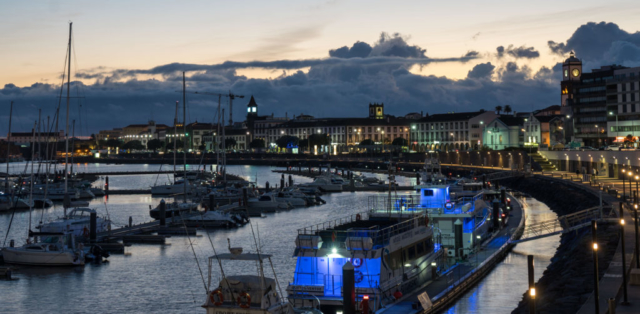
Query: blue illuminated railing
{"points": [[335, 237]]}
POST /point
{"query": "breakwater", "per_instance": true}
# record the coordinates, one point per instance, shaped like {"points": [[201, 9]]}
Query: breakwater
{"points": [[568, 281]]}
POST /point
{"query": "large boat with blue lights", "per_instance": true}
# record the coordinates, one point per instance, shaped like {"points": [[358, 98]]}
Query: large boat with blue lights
{"points": [[392, 252]]}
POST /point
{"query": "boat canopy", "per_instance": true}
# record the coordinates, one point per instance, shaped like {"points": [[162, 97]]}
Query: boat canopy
{"points": [[241, 257]]}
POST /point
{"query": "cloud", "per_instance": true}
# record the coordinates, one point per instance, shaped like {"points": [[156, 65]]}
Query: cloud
{"points": [[340, 85], [358, 50], [600, 44], [482, 70], [472, 53], [517, 52]]}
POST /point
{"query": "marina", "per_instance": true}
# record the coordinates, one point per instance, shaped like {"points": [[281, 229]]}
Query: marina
{"points": [[176, 247]]}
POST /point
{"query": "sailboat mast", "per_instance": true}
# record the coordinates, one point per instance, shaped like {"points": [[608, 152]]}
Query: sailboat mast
{"points": [[6, 178], [66, 135], [224, 152], [218, 137], [175, 134], [73, 142], [184, 129], [33, 151]]}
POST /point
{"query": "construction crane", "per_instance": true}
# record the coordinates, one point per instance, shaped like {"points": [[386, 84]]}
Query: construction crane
{"points": [[230, 96]]}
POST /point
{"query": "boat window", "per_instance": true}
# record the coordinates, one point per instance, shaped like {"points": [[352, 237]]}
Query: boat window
{"points": [[50, 240], [265, 198], [412, 252], [420, 248], [35, 248], [427, 192]]}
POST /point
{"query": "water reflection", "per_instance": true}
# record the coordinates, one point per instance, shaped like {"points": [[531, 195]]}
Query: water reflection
{"points": [[502, 289]]}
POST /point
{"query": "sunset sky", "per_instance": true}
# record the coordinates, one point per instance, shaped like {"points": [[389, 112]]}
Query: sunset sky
{"points": [[142, 35]]}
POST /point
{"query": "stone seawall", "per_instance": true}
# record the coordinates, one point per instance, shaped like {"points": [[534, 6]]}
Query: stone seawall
{"points": [[568, 281]]}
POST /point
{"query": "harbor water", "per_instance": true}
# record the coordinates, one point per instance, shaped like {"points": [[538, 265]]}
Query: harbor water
{"points": [[167, 278]]}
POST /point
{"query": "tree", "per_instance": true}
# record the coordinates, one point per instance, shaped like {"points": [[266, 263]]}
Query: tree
{"points": [[229, 143], [287, 141], [399, 141], [179, 145], [133, 145], [155, 144], [257, 143], [319, 139], [507, 109], [114, 143], [367, 142], [498, 109]]}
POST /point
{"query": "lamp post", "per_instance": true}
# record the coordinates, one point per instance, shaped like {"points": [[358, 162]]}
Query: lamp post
{"points": [[635, 200], [635, 224], [623, 185], [624, 264], [532, 285], [481, 136], [594, 239], [630, 174], [617, 129]]}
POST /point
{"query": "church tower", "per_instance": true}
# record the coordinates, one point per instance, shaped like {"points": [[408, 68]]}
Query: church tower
{"points": [[376, 111], [571, 73], [252, 108]]}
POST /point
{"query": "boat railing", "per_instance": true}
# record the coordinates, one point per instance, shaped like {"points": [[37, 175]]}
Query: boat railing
{"points": [[413, 204], [378, 236], [312, 230]]}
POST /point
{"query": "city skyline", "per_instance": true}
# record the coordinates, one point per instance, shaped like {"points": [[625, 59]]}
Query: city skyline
{"points": [[130, 69]]}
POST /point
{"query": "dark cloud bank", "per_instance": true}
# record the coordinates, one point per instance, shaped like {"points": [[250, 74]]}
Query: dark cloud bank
{"points": [[341, 85]]}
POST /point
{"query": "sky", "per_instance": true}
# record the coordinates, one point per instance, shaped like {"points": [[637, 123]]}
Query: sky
{"points": [[324, 58]]}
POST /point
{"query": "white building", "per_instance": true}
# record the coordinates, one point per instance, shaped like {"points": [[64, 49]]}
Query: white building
{"points": [[504, 132], [450, 131]]}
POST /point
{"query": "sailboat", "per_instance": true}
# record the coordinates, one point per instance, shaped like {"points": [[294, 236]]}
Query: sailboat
{"points": [[176, 209], [179, 186], [50, 248]]}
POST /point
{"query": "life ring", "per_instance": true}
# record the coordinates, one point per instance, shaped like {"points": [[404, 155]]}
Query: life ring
{"points": [[358, 217], [356, 262], [448, 205], [212, 297], [426, 221], [244, 300]]}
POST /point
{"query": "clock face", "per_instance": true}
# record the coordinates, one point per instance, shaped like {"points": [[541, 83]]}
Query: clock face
{"points": [[575, 72]]}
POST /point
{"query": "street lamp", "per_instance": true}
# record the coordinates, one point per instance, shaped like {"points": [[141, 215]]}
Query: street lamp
{"points": [[623, 185], [624, 264], [617, 129], [635, 200], [596, 290]]}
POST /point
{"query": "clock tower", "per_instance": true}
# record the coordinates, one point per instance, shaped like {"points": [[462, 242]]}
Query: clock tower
{"points": [[571, 74]]}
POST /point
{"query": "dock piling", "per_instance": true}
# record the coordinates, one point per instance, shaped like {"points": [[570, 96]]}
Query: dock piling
{"points": [[130, 221], [163, 213], [92, 226], [348, 289], [532, 287]]}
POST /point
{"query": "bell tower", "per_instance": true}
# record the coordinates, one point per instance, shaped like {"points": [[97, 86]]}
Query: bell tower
{"points": [[571, 73], [376, 111]]}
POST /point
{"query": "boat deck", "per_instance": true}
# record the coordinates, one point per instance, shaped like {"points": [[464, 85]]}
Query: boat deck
{"points": [[448, 284]]}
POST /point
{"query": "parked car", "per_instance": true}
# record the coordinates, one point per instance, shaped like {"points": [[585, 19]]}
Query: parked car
{"points": [[612, 147], [587, 148]]}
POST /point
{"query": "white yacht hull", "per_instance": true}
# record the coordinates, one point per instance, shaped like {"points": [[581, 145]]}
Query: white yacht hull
{"points": [[168, 189], [45, 258], [77, 228]]}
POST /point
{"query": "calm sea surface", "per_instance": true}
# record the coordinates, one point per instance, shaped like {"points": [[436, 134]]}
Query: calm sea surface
{"points": [[155, 278]]}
